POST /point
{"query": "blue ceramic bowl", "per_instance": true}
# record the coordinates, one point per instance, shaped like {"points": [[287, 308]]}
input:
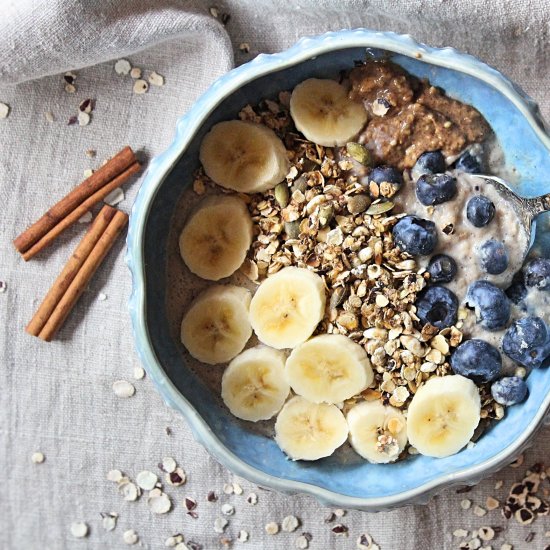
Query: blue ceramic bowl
{"points": [[352, 483]]}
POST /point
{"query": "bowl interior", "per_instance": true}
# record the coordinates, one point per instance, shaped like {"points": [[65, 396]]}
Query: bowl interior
{"points": [[345, 473]]}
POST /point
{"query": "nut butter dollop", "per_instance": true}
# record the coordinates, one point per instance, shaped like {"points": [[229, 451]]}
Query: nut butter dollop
{"points": [[408, 116]]}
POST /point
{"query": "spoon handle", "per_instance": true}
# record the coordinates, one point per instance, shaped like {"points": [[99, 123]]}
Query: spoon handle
{"points": [[538, 205]]}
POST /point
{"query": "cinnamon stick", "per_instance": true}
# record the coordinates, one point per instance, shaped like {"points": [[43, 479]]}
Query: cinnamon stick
{"points": [[81, 278], [80, 210], [66, 277], [116, 166]]}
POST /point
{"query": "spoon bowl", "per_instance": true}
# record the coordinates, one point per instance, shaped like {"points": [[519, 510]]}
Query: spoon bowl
{"points": [[527, 210]]}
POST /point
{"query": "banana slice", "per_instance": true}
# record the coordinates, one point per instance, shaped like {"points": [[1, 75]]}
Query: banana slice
{"points": [[443, 415], [309, 431], [323, 112], [244, 156], [328, 368], [216, 327], [287, 307], [216, 238], [254, 385], [377, 432]]}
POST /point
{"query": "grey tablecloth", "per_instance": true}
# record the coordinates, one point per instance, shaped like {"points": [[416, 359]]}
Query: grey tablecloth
{"points": [[57, 398]]}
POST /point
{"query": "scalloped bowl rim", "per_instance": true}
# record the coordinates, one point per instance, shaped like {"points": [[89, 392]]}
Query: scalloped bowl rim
{"points": [[161, 165]]}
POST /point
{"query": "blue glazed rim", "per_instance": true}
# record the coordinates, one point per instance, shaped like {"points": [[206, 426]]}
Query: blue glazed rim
{"points": [[160, 166]]}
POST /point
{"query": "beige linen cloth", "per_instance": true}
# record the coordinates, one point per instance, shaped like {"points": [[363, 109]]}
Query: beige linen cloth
{"points": [[57, 398]]}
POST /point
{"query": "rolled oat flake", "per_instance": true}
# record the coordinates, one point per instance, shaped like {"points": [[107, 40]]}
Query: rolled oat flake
{"points": [[159, 502], [108, 520], [79, 529], [272, 528], [146, 480], [123, 388], [4, 110], [290, 524], [37, 457], [169, 464], [140, 86], [302, 542], [243, 536], [123, 67], [130, 537]]}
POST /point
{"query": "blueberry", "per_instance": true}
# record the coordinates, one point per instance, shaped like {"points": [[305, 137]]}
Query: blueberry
{"points": [[476, 359], [434, 189], [437, 306], [431, 162], [415, 235], [389, 174], [517, 291], [537, 273], [470, 162], [480, 210], [509, 390], [442, 269], [527, 342], [493, 257], [491, 305]]}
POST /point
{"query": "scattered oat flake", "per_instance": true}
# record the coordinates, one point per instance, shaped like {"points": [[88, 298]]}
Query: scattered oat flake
{"points": [[37, 457], [48, 115], [156, 79], [339, 513], [460, 533], [140, 86], [172, 541], [228, 488], [465, 504], [123, 388], [159, 502], [252, 498], [244, 47], [499, 484], [214, 12], [70, 88], [272, 528], [79, 529], [108, 520], [4, 110], [128, 490], [114, 475], [122, 67], [135, 73], [491, 503], [146, 480], [518, 462], [130, 537], [243, 536], [139, 373], [228, 509], [83, 119], [86, 218], [479, 511], [290, 524], [102, 297], [114, 197], [506, 546], [302, 542], [168, 465], [220, 524], [237, 489], [88, 172]]}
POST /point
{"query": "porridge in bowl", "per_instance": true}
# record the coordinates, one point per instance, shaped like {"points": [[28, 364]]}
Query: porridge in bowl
{"points": [[355, 282]]}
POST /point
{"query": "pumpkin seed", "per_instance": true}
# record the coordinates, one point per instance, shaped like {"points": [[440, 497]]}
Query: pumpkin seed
{"points": [[359, 153], [282, 194], [292, 229], [380, 208]]}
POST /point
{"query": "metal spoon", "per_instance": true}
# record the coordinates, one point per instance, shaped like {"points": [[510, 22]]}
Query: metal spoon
{"points": [[526, 209]]}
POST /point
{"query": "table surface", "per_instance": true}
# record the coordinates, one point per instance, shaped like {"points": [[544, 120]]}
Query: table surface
{"points": [[57, 398]]}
